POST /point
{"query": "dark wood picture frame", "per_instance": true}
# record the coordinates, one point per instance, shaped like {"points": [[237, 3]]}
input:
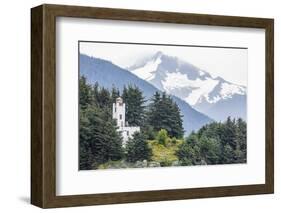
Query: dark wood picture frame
{"points": [[43, 105]]}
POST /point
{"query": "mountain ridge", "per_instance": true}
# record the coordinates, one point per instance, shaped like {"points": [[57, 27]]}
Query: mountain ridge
{"points": [[193, 85]]}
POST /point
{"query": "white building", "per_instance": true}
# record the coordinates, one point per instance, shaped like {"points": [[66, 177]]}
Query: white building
{"points": [[118, 113]]}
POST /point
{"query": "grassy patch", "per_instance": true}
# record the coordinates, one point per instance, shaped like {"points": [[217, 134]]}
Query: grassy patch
{"points": [[165, 154]]}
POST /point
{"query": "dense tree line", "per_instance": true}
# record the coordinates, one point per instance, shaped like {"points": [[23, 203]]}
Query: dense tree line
{"points": [[216, 143], [99, 138], [160, 120]]}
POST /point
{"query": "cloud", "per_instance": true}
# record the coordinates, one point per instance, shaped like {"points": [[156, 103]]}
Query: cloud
{"points": [[228, 63]]}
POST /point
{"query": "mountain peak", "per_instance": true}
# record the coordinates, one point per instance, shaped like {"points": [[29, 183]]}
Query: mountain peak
{"points": [[158, 54], [186, 81], [220, 79]]}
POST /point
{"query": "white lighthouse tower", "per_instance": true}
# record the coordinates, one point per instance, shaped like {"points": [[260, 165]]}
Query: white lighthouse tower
{"points": [[118, 113]]}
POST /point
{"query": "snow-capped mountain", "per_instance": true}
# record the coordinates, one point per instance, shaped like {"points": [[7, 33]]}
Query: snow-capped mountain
{"points": [[215, 97]]}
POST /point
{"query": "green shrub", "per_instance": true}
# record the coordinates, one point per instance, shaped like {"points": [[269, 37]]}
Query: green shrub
{"points": [[162, 137], [174, 140], [165, 155]]}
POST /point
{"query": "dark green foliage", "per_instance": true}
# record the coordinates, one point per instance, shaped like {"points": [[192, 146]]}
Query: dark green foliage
{"points": [[164, 113], [229, 133], [216, 143], [99, 140], [85, 94], [149, 132], [85, 154], [186, 154], [115, 93], [210, 150], [137, 148], [241, 141], [134, 100], [228, 154], [102, 97], [189, 151]]}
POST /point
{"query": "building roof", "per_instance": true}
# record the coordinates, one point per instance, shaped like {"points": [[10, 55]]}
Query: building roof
{"points": [[119, 100]]}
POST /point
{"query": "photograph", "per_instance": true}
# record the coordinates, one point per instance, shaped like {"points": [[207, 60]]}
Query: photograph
{"points": [[147, 105]]}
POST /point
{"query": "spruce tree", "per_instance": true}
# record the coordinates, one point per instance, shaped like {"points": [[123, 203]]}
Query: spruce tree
{"points": [[86, 100], [186, 154], [229, 133], [104, 99], [164, 113], [134, 100], [241, 141], [228, 155], [114, 141], [101, 137], [99, 140], [152, 114], [138, 148], [85, 153], [115, 93], [85, 94], [210, 150]]}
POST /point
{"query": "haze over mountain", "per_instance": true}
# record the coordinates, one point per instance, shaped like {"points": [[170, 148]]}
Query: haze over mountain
{"points": [[110, 75], [214, 97]]}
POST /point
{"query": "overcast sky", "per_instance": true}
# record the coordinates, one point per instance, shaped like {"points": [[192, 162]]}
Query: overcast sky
{"points": [[228, 63]]}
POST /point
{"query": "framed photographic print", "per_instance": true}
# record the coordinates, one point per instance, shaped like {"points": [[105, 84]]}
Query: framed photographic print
{"points": [[136, 106]]}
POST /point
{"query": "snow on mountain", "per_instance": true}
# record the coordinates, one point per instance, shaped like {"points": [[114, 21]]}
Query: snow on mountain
{"points": [[188, 82], [146, 72], [198, 87]]}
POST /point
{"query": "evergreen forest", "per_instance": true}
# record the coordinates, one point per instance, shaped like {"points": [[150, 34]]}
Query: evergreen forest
{"points": [[161, 141]]}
